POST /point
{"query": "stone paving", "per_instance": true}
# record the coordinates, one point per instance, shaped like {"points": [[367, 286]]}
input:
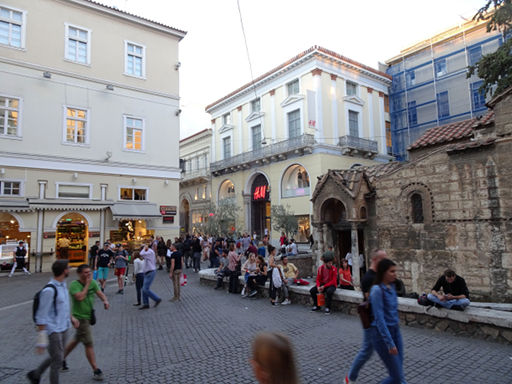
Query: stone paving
{"points": [[206, 339]]}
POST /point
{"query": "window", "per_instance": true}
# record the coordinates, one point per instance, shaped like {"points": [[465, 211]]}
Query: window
{"points": [[10, 188], [226, 146], [417, 208], [135, 60], [443, 108], [440, 67], [256, 105], [11, 27], [134, 134], [477, 96], [137, 194], [9, 116], [474, 55], [351, 89], [77, 44], [256, 137], [204, 191], [73, 191], [293, 87], [353, 123], [413, 116], [294, 124], [226, 190], [226, 119], [76, 126], [410, 78], [295, 182]]}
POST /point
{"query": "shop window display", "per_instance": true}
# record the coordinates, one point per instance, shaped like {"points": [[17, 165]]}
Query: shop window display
{"points": [[72, 239], [227, 190], [132, 234], [136, 194], [304, 229], [10, 235], [295, 182]]}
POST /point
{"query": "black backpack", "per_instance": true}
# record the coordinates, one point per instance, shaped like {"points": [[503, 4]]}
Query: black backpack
{"points": [[35, 303], [423, 300]]}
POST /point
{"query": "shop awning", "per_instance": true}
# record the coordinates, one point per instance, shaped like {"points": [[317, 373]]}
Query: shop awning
{"points": [[135, 211], [14, 206], [69, 204]]}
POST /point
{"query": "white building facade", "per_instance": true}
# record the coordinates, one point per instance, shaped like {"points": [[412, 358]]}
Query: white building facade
{"points": [[89, 126]]}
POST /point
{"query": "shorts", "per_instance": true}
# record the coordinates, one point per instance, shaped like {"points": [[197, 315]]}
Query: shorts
{"points": [[120, 271], [102, 273], [83, 332]]}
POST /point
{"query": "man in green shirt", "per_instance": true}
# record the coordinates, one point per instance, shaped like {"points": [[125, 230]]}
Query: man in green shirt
{"points": [[82, 293]]}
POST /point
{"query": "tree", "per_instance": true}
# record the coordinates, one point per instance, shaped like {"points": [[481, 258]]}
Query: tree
{"points": [[221, 219], [284, 220], [495, 69]]}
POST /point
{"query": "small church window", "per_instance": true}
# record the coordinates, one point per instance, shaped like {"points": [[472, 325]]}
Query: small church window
{"points": [[417, 208]]}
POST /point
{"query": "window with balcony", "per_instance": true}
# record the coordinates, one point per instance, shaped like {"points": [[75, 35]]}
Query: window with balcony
{"points": [[295, 182], [413, 116], [9, 116], [76, 126], [351, 88], [256, 137], [135, 61], [133, 194], [12, 27], [78, 46], [256, 105], [226, 147], [294, 124], [443, 107], [133, 134], [477, 96], [353, 123], [293, 87], [10, 188], [440, 67]]}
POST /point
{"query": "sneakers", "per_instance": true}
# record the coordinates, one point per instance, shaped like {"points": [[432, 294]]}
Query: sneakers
{"points": [[348, 381], [33, 378], [136, 304], [286, 302], [120, 292], [274, 303], [64, 366], [253, 293], [27, 273], [327, 311], [98, 375], [157, 302], [144, 307], [315, 308], [243, 294]]}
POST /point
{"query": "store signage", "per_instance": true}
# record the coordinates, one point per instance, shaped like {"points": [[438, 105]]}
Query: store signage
{"points": [[94, 234], [168, 219], [260, 193], [49, 235], [167, 210]]}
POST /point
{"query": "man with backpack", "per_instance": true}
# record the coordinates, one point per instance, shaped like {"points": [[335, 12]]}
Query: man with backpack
{"points": [[51, 314]]}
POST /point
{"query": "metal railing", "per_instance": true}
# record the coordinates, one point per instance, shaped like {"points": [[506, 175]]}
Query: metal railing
{"points": [[279, 148], [356, 143], [202, 172]]}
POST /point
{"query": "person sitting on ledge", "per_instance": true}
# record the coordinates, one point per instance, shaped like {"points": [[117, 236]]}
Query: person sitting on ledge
{"points": [[326, 281], [454, 295]]}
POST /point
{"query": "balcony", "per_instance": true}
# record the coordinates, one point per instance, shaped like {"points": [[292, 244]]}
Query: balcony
{"points": [[195, 176], [266, 154], [353, 145]]}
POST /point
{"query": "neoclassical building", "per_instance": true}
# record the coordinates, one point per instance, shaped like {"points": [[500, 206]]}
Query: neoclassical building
{"points": [[273, 137], [89, 127]]}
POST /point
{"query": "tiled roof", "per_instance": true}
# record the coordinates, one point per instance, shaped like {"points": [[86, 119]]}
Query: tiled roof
{"points": [[451, 132], [296, 58]]}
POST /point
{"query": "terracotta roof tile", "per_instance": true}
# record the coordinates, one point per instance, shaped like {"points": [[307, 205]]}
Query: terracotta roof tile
{"points": [[451, 132]]}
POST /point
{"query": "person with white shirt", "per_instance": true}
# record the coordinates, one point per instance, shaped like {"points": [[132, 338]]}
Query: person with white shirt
{"points": [[138, 274], [149, 275], [348, 257], [292, 248]]}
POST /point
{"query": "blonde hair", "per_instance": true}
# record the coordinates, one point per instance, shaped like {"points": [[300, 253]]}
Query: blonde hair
{"points": [[273, 353]]}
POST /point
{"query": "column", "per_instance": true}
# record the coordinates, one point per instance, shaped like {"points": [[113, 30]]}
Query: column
{"points": [[355, 255], [382, 120], [334, 106], [102, 213], [213, 155], [317, 84], [247, 209], [370, 114], [320, 242], [240, 132], [273, 116], [40, 227]]}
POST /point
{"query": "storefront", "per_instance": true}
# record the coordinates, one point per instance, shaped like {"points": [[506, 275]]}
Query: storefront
{"points": [[72, 238], [10, 235], [304, 229], [260, 206]]}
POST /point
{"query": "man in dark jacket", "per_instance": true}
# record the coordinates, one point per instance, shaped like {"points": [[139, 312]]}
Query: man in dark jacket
{"points": [[450, 291]]}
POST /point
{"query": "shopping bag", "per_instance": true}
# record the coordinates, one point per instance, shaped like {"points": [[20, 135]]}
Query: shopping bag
{"points": [[320, 299], [95, 275], [183, 279]]}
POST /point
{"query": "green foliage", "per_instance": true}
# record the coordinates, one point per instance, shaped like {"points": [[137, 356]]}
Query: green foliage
{"points": [[220, 219], [284, 220], [495, 69]]}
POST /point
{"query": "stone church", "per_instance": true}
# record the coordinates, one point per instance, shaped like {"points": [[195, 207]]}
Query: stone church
{"points": [[450, 206]]}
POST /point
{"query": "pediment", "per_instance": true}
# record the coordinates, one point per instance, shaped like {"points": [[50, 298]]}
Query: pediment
{"points": [[225, 128], [292, 99], [354, 100], [254, 116]]}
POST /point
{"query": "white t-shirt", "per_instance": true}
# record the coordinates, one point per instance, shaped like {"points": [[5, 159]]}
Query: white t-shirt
{"points": [[348, 257], [138, 266]]}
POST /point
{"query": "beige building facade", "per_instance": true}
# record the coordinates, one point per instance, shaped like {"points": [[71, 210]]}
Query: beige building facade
{"points": [[89, 126], [273, 137]]}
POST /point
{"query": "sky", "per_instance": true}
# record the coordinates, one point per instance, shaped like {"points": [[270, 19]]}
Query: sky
{"points": [[213, 54]]}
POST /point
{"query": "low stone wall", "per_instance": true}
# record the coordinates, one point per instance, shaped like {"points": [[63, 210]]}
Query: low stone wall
{"points": [[304, 263], [476, 322]]}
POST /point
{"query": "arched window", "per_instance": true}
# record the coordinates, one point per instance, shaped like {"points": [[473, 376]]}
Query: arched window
{"points": [[295, 181], [417, 208], [362, 213], [226, 190]]}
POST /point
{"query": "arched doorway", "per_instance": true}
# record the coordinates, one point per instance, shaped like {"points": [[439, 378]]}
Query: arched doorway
{"points": [[72, 238], [10, 235], [185, 216], [260, 206]]}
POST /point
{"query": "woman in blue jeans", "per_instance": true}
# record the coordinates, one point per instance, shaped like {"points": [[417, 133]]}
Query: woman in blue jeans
{"points": [[385, 330]]}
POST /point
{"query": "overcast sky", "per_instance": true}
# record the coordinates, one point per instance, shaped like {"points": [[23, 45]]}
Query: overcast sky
{"points": [[213, 55]]}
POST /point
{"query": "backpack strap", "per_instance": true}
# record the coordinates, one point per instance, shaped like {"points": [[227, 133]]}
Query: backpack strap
{"points": [[54, 295]]}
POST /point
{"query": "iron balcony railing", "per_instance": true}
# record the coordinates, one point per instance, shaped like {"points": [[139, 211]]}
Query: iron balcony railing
{"points": [[189, 175], [353, 143], [267, 151]]}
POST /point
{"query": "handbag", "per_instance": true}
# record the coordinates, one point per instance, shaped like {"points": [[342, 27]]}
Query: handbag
{"points": [[92, 321], [365, 310]]}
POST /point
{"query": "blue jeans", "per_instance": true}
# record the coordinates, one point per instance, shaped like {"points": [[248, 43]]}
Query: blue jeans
{"points": [[363, 356], [146, 292], [393, 363], [448, 303]]}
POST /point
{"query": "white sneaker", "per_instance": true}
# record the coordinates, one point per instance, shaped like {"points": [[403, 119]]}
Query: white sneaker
{"points": [[243, 293], [286, 302]]}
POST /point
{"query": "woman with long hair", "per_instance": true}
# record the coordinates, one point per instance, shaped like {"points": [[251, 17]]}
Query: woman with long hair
{"points": [[385, 330], [259, 278], [345, 276]]}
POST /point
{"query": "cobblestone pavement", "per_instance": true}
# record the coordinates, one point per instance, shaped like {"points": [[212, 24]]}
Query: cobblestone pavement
{"points": [[206, 339]]}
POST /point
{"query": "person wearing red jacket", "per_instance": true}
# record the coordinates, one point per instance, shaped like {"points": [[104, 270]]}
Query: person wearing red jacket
{"points": [[326, 281]]}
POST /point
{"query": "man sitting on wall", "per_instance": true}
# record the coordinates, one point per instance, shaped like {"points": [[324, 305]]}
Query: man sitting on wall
{"points": [[454, 294]]}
